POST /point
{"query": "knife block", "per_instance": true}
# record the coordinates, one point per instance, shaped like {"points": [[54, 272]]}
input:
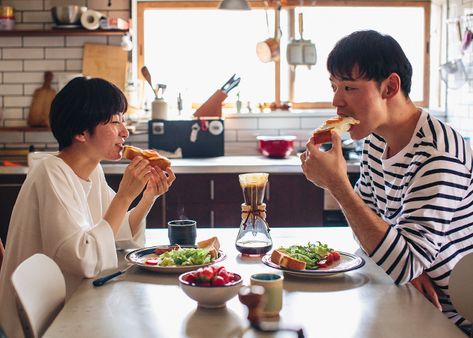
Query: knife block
{"points": [[213, 106]]}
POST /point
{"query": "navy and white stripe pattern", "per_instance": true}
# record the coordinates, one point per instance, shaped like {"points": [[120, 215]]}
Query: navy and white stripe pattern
{"points": [[425, 193]]}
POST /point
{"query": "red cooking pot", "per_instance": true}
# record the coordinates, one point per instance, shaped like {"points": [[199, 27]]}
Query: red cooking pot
{"points": [[276, 146]]}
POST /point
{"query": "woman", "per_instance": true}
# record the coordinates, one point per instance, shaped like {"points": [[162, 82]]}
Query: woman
{"points": [[65, 209]]}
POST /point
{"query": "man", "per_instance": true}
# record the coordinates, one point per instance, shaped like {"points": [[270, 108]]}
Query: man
{"points": [[412, 208]]}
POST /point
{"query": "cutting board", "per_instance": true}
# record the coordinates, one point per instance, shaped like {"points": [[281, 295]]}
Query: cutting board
{"points": [[41, 103], [107, 62]]}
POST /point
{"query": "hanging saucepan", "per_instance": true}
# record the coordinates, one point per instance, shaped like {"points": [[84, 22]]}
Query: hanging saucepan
{"points": [[301, 52], [268, 50]]}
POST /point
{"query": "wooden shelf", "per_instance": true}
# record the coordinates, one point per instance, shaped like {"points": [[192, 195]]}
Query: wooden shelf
{"points": [[24, 129], [60, 32]]}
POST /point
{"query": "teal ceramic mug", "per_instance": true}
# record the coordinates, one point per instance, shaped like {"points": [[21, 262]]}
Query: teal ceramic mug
{"points": [[273, 287]]}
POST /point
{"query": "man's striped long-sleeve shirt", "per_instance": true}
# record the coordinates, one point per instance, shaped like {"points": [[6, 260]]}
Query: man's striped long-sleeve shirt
{"points": [[425, 193]]}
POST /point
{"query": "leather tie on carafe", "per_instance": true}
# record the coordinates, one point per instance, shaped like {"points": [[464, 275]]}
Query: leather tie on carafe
{"points": [[248, 210]]}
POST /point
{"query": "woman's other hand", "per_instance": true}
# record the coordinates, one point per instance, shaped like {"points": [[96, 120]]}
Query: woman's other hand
{"points": [[159, 182]]}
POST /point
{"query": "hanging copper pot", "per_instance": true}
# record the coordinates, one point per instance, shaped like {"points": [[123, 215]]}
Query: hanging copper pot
{"points": [[268, 50]]}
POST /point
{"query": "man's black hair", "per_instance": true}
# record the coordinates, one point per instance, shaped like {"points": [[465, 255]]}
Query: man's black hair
{"points": [[376, 56], [82, 105]]}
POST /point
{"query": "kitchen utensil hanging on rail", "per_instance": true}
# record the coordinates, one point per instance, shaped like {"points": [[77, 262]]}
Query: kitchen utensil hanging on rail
{"points": [[301, 52], [268, 50]]}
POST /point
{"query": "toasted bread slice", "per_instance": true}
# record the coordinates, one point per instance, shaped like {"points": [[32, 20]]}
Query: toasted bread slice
{"points": [[276, 256], [340, 124], [155, 159], [212, 244], [284, 260], [213, 253], [292, 263]]}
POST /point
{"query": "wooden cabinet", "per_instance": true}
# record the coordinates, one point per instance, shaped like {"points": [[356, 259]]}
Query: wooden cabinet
{"points": [[293, 201], [214, 200], [10, 185]]}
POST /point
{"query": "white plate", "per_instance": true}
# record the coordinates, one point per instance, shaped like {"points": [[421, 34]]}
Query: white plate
{"points": [[138, 257], [347, 262]]}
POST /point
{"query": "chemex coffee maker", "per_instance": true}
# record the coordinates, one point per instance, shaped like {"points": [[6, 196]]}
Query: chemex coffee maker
{"points": [[253, 237]]}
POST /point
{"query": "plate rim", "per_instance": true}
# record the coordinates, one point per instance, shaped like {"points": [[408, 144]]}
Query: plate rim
{"points": [[267, 261], [172, 268]]}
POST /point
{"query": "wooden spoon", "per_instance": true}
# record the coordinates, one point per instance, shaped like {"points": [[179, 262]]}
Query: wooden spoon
{"points": [[147, 76]]}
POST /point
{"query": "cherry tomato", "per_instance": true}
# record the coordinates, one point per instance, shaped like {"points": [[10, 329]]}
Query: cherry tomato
{"points": [[335, 255], [322, 263], [151, 261], [329, 259]]}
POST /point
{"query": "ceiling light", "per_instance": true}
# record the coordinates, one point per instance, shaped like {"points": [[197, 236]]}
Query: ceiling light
{"points": [[234, 5]]}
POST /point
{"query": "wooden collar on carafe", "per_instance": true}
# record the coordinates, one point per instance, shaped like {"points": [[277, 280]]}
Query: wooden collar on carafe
{"points": [[246, 210]]}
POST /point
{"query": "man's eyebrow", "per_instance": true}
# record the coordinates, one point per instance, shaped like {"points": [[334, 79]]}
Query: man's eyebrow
{"points": [[343, 78]]}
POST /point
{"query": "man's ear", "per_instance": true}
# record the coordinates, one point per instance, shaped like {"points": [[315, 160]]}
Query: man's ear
{"points": [[80, 137], [391, 86]]}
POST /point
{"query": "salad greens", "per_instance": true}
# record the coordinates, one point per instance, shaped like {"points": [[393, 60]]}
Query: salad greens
{"points": [[185, 256], [311, 253]]}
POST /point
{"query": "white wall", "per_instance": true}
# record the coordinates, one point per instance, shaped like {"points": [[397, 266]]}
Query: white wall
{"points": [[460, 101]]}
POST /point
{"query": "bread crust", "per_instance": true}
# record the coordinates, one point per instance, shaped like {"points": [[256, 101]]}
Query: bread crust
{"points": [[292, 263], [284, 260], [130, 152]]}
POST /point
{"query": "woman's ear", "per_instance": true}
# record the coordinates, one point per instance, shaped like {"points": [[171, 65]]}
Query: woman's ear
{"points": [[391, 86]]}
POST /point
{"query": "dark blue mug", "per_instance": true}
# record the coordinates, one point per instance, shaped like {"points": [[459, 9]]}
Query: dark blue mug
{"points": [[182, 232]]}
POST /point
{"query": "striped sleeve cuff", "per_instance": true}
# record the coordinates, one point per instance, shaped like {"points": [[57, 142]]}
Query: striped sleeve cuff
{"points": [[388, 250]]}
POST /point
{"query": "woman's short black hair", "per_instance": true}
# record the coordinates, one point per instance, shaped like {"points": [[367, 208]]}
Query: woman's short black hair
{"points": [[376, 56], [83, 104]]}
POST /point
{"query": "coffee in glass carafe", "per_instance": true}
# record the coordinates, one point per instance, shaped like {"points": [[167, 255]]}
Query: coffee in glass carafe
{"points": [[253, 237]]}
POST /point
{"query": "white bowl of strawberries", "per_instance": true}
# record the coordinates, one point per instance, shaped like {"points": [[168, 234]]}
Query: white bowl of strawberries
{"points": [[212, 286]]}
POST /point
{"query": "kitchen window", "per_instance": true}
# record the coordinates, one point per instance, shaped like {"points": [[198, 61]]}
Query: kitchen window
{"points": [[193, 48]]}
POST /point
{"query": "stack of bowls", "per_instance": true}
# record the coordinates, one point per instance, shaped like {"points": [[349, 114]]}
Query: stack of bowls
{"points": [[67, 16]]}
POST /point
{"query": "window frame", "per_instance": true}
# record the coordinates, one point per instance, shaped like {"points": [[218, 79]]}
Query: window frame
{"points": [[290, 6]]}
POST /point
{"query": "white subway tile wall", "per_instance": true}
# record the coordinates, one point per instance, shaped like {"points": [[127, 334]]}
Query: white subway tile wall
{"points": [[24, 59]]}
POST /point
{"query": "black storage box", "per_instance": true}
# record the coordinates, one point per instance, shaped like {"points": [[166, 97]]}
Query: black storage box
{"points": [[196, 138]]}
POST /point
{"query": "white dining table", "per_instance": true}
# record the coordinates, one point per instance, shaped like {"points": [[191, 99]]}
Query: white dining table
{"points": [[363, 303]]}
